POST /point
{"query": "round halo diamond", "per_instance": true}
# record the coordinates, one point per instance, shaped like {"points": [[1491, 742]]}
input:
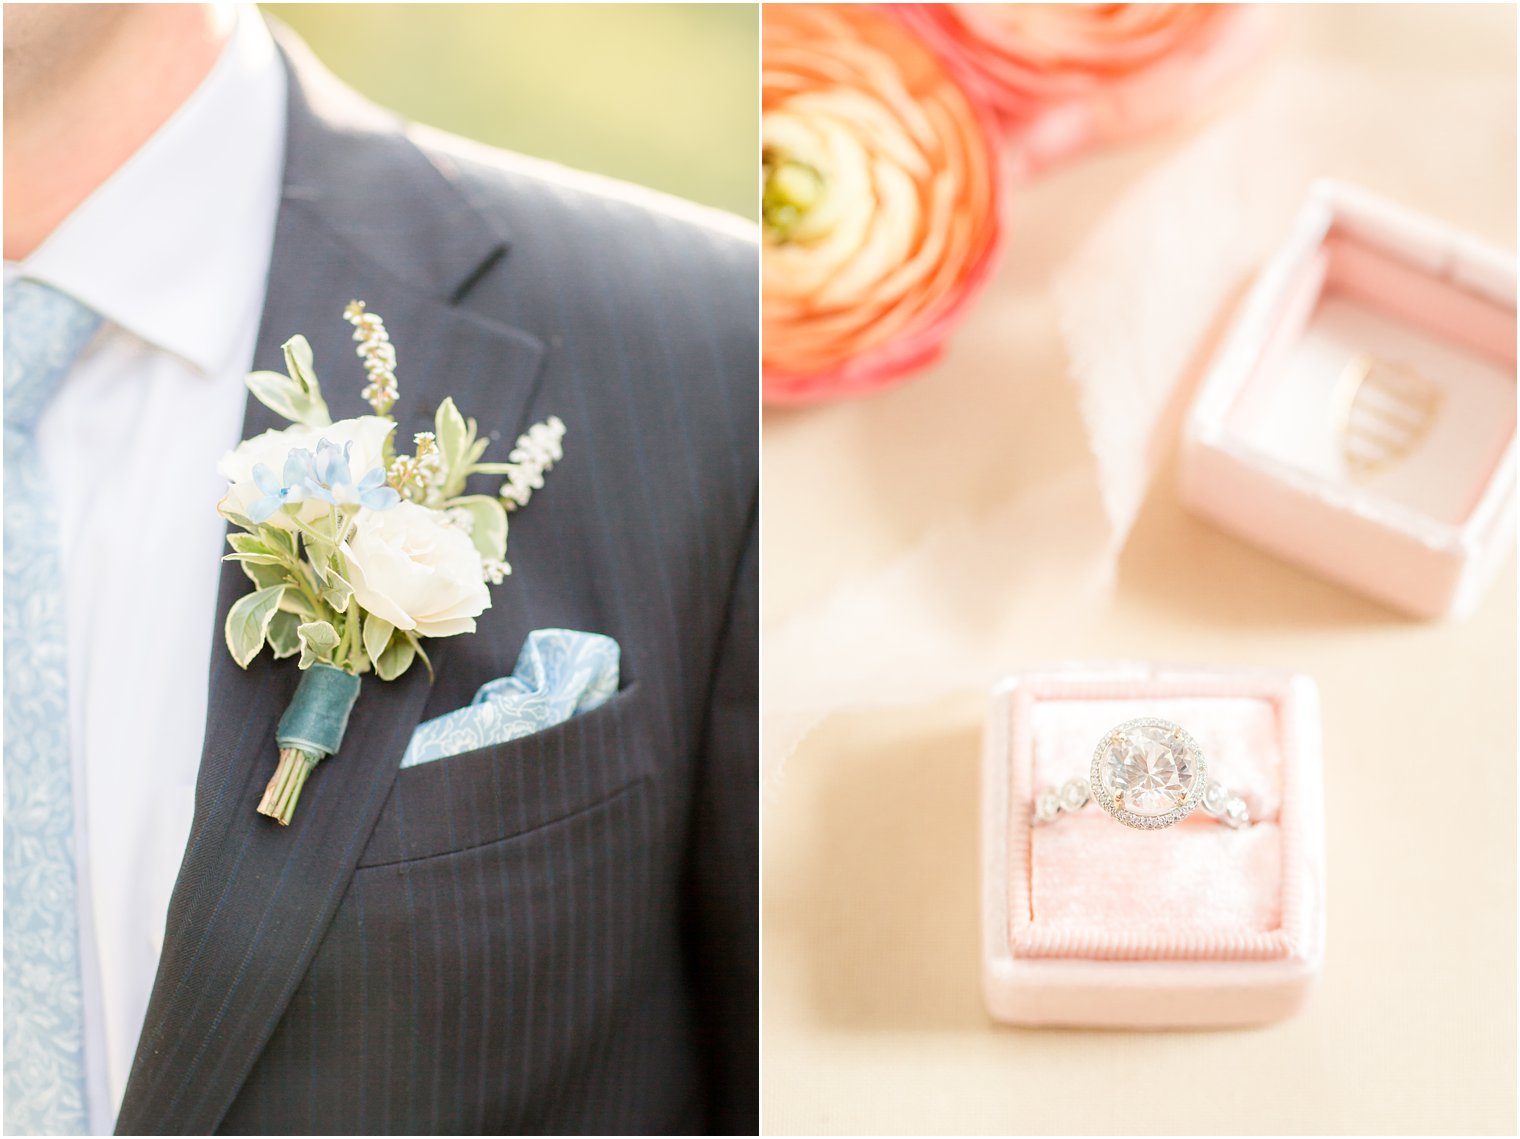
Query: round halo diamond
{"points": [[1148, 773]]}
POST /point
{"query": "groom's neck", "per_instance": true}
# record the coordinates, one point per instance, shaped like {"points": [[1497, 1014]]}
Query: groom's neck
{"points": [[85, 87]]}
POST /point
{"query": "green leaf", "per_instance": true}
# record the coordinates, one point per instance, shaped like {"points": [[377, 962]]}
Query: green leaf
{"points": [[247, 544], [280, 394], [238, 520], [489, 529], [320, 553], [300, 364], [396, 658], [338, 591], [453, 435], [416, 642], [278, 540], [248, 621], [320, 635], [298, 396], [254, 559], [318, 639], [267, 577], [302, 369], [294, 602], [377, 634], [283, 638]]}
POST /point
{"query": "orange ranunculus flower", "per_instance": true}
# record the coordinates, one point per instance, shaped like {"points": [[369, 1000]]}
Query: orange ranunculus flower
{"points": [[1069, 76], [881, 200]]}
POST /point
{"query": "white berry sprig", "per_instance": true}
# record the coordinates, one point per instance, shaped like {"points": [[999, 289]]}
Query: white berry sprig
{"points": [[379, 356], [536, 452]]}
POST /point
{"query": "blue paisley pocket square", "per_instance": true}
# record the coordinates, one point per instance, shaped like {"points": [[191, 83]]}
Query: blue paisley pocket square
{"points": [[560, 673]]}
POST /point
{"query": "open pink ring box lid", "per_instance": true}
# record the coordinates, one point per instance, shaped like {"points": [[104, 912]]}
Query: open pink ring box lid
{"points": [[1088, 922], [1359, 418]]}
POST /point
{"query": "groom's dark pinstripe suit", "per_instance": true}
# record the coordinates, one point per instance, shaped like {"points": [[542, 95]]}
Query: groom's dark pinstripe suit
{"points": [[557, 934]]}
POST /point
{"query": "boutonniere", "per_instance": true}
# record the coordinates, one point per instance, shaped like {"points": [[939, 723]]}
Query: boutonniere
{"points": [[358, 554]]}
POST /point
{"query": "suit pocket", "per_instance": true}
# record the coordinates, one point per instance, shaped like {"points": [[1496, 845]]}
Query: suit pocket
{"points": [[495, 792]]}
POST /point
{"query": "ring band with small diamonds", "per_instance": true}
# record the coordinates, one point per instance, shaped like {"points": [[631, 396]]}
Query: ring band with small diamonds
{"points": [[1147, 773]]}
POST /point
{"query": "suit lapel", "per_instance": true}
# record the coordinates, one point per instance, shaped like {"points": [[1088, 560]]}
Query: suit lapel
{"points": [[363, 214]]}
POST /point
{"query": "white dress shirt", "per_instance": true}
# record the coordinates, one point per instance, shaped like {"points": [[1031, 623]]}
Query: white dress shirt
{"points": [[173, 251]]}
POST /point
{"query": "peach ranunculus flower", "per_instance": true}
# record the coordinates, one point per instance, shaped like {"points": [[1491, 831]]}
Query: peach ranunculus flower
{"points": [[1066, 77], [881, 201]]}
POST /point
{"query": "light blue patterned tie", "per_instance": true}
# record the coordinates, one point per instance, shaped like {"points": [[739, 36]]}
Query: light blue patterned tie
{"points": [[44, 1017]]}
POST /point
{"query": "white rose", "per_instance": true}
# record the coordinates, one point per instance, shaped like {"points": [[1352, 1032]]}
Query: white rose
{"points": [[417, 571], [367, 433]]}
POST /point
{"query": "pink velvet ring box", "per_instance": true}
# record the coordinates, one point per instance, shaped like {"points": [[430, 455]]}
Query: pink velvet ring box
{"points": [[1088, 922], [1359, 417]]}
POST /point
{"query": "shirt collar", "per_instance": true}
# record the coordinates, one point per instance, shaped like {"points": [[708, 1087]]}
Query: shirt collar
{"points": [[175, 246]]}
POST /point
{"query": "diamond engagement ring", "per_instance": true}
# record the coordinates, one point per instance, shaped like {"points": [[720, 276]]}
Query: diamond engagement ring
{"points": [[1146, 773]]}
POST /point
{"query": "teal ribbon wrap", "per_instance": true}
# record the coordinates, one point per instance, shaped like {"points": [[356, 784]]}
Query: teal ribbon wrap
{"points": [[318, 713]]}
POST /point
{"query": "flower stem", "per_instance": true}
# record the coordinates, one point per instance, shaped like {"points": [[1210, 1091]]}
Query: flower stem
{"points": [[346, 528], [283, 791], [348, 643]]}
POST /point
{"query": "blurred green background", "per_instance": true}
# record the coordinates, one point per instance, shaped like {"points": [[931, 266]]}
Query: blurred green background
{"points": [[665, 95]]}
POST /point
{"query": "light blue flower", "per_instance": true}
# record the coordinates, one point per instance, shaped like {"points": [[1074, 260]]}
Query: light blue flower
{"points": [[290, 490], [330, 478]]}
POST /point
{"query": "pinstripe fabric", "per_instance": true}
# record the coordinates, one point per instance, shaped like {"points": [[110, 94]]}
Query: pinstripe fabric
{"points": [[556, 934]]}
